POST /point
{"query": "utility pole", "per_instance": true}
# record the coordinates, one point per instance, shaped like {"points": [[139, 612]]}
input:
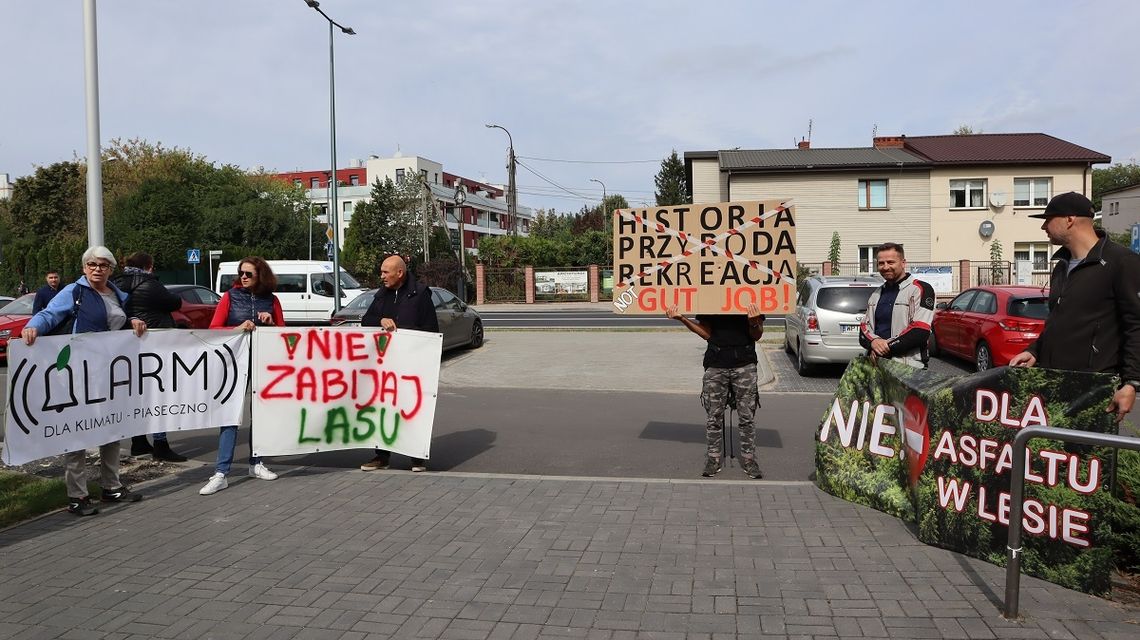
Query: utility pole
{"points": [[512, 192], [460, 198], [94, 149]]}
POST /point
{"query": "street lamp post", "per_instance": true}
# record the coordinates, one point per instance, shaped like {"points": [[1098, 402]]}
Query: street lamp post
{"points": [[606, 222], [94, 150], [333, 217], [512, 192], [460, 198]]}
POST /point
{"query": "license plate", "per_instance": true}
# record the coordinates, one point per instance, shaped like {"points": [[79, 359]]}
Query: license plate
{"points": [[849, 328]]}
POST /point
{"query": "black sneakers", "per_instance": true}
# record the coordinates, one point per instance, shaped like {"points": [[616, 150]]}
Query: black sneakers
{"points": [[122, 494], [162, 451], [712, 467], [81, 507], [140, 446], [750, 466]]}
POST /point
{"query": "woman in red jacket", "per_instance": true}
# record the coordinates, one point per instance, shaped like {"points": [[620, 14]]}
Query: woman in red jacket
{"points": [[248, 305]]}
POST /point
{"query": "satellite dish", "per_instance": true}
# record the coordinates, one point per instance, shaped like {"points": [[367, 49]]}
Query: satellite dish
{"points": [[997, 199], [986, 229]]}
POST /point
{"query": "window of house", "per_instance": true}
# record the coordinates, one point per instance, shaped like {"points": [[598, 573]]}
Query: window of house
{"points": [[872, 194], [967, 194], [354, 180], [867, 259], [1031, 192], [347, 206], [314, 183], [296, 182], [399, 176], [423, 174], [494, 217], [1035, 252]]}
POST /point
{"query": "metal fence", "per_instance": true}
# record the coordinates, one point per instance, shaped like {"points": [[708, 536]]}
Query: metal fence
{"points": [[981, 273], [504, 285]]}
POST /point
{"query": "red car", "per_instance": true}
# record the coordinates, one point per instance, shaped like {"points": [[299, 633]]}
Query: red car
{"points": [[198, 304], [13, 317], [990, 325]]}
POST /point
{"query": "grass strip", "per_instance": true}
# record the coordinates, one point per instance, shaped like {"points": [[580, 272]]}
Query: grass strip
{"points": [[24, 496]]}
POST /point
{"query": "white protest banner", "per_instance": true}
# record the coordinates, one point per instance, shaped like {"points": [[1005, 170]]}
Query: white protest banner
{"points": [[332, 388], [706, 258], [67, 393]]}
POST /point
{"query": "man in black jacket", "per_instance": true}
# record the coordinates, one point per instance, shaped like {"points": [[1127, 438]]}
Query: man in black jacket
{"points": [[1094, 302], [402, 303], [152, 303]]}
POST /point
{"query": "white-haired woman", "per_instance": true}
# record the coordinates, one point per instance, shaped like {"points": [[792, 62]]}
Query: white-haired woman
{"points": [[89, 304]]}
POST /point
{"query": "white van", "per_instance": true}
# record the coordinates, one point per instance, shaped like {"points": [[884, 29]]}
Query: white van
{"points": [[304, 287]]}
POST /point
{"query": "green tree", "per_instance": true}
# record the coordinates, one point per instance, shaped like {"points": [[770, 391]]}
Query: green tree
{"points": [[670, 181], [834, 252], [389, 222], [997, 267], [966, 130], [1115, 177]]}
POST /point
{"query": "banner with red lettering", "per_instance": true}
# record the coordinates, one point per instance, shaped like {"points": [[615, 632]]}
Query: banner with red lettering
{"points": [[706, 258], [331, 388], [936, 451]]}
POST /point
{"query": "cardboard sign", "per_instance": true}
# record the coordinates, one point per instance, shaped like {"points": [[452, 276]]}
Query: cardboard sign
{"points": [[937, 452], [706, 258], [327, 389], [69, 393]]}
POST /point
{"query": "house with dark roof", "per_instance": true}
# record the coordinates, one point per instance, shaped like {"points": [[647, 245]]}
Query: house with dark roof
{"points": [[1120, 208], [944, 198]]}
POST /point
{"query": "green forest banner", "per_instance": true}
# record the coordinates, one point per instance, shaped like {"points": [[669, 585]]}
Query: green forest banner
{"points": [[937, 452]]}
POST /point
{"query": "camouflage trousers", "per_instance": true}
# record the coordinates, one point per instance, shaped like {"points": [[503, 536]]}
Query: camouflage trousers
{"points": [[715, 388]]}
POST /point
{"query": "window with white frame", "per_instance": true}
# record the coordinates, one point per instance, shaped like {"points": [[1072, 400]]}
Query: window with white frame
{"points": [[967, 194], [399, 176], [872, 194], [1035, 252], [314, 183], [1031, 192], [867, 262], [354, 180]]}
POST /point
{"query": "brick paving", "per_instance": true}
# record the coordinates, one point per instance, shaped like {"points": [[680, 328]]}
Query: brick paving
{"points": [[346, 555]]}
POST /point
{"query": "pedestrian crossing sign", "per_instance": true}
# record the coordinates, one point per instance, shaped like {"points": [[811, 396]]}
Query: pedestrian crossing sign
{"points": [[193, 256]]}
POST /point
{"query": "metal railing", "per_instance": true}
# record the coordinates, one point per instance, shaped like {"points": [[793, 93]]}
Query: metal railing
{"points": [[1017, 490]]}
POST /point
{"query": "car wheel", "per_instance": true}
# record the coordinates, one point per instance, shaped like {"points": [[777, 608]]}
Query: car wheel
{"points": [[476, 334], [932, 344], [982, 356], [802, 367]]}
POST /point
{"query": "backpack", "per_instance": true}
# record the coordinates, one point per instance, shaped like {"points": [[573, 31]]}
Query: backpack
{"points": [[67, 327]]}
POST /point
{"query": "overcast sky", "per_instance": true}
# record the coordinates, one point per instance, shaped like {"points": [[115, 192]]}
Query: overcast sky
{"points": [[614, 83]]}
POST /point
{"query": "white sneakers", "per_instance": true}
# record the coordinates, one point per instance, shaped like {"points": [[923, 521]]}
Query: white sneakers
{"points": [[217, 483], [261, 472], [218, 480]]}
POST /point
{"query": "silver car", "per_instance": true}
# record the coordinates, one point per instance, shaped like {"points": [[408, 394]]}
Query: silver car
{"points": [[460, 325], [825, 327]]}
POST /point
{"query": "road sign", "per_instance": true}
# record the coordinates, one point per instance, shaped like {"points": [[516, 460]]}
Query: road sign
{"points": [[1136, 238], [193, 256], [215, 254], [328, 249], [329, 233]]}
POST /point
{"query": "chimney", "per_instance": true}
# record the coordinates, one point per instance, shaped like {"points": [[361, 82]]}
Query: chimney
{"points": [[890, 142], [803, 144]]}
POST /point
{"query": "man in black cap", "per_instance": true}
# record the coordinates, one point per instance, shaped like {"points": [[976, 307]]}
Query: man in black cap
{"points": [[1094, 302]]}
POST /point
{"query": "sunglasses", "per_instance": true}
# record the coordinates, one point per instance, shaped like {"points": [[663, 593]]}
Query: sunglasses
{"points": [[246, 274], [98, 266]]}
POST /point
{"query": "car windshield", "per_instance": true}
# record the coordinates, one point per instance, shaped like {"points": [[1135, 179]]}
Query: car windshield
{"points": [[1036, 308], [347, 281], [361, 301], [21, 306], [845, 299]]}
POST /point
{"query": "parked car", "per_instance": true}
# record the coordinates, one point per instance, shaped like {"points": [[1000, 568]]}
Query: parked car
{"points": [[13, 317], [990, 325], [460, 324], [825, 326], [5, 300], [198, 304]]}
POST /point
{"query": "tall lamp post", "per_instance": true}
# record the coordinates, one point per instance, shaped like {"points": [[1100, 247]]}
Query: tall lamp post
{"points": [[605, 217], [333, 217], [460, 198], [512, 193]]}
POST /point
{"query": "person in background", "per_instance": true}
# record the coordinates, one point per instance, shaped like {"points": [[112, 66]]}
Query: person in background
{"points": [[248, 305], [21, 289], [1094, 302], [45, 293], [402, 303], [89, 304], [149, 300], [730, 364]]}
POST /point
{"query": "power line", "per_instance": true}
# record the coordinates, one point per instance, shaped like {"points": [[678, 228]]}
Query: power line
{"points": [[589, 161], [548, 180]]}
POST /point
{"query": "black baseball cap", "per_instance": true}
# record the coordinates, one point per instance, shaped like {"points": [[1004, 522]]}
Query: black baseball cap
{"points": [[1067, 204]]}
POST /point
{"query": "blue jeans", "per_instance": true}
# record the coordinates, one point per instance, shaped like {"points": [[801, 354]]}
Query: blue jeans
{"points": [[227, 442]]}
